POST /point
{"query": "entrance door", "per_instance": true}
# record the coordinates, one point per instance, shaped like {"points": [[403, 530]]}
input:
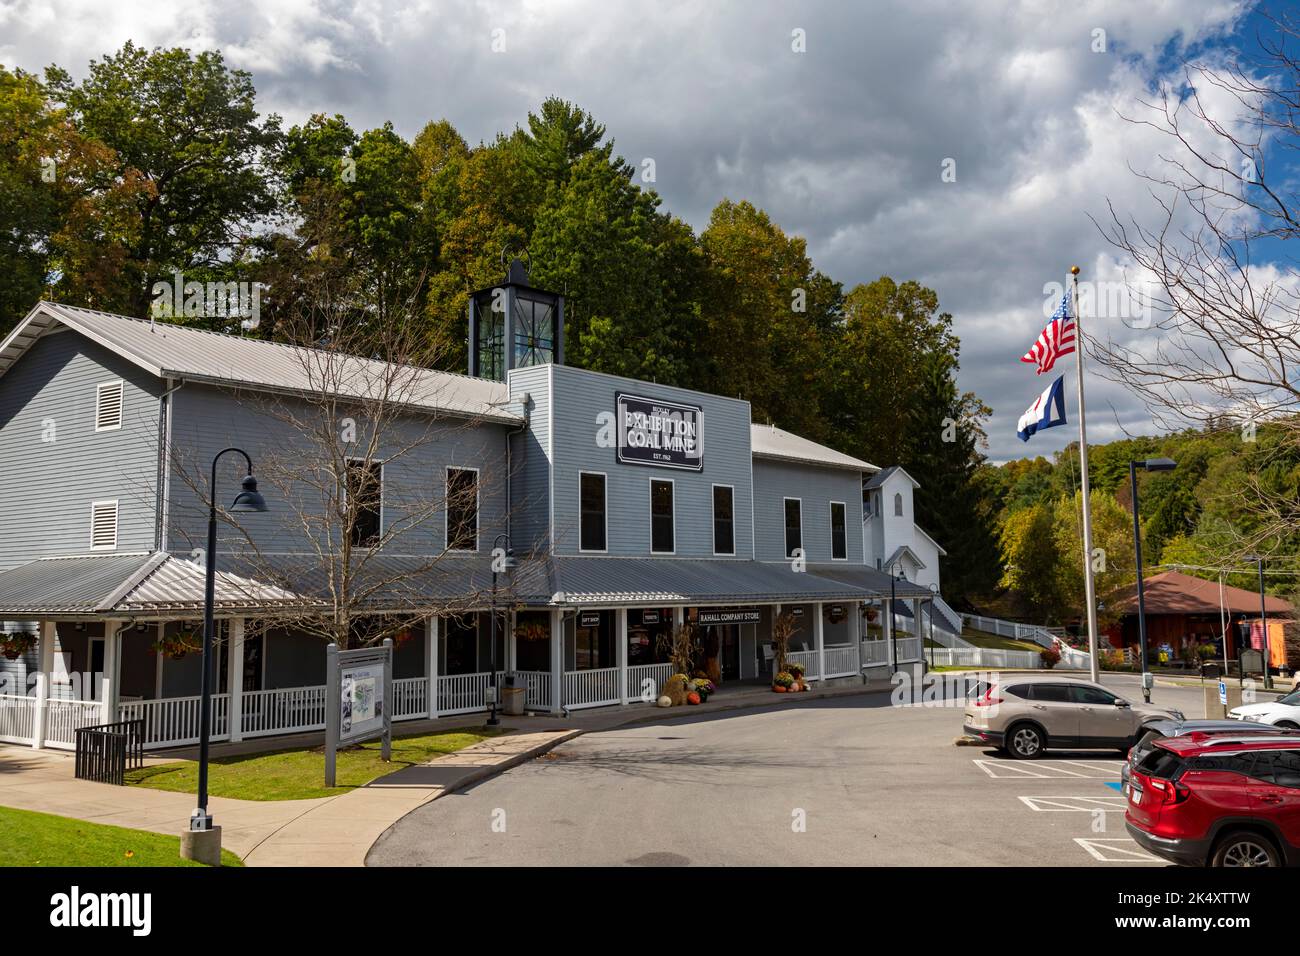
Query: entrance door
{"points": [[95, 690], [730, 638]]}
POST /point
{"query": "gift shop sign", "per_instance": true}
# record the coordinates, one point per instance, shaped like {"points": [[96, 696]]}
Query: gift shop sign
{"points": [[659, 433]]}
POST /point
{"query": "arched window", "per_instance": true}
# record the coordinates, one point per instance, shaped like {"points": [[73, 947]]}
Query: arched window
{"points": [[898, 504]]}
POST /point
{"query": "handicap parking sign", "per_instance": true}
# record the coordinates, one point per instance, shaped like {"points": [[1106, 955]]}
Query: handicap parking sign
{"points": [[1223, 692]]}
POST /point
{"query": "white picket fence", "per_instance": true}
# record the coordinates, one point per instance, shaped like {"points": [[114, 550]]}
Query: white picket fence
{"points": [[908, 649], [841, 660], [875, 653]]}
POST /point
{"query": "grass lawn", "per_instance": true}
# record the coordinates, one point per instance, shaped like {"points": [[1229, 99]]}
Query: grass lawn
{"points": [[300, 774], [41, 839], [998, 642]]}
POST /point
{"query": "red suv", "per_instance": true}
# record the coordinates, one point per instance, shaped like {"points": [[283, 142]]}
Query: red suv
{"points": [[1218, 799]]}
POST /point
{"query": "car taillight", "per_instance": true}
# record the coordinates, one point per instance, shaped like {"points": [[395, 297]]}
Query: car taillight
{"points": [[988, 700], [1169, 791]]}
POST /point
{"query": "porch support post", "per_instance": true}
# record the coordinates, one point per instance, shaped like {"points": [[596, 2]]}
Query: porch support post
{"points": [[819, 642], [859, 632], [235, 678], [108, 694], [42, 690], [431, 649], [512, 647], [557, 661], [916, 624], [620, 652]]}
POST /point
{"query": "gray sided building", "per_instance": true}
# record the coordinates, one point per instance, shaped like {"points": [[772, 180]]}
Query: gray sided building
{"points": [[612, 510]]}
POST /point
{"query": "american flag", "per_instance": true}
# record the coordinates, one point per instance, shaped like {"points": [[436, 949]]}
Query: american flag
{"points": [[1056, 339]]}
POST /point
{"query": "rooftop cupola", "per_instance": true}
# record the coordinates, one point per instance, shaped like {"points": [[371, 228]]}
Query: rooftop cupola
{"points": [[513, 325]]}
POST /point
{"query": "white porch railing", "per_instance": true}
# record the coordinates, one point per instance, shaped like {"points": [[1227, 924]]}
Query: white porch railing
{"points": [[286, 710], [174, 721], [909, 649], [412, 698], [983, 657], [841, 660], [593, 688], [17, 718], [465, 693], [638, 674], [809, 661], [875, 653], [63, 717]]}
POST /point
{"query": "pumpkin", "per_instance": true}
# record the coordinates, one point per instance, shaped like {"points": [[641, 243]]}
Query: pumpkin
{"points": [[778, 688], [693, 697], [665, 701]]}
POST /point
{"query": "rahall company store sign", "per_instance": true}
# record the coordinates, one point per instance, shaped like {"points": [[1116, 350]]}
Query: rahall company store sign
{"points": [[661, 433]]}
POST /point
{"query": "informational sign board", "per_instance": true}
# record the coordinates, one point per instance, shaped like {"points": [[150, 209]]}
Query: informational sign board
{"points": [[589, 619], [1223, 693], [358, 695], [728, 615], [659, 433], [649, 617]]}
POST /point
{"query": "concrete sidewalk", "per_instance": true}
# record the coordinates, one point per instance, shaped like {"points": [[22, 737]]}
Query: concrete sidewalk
{"points": [[339, 831]]}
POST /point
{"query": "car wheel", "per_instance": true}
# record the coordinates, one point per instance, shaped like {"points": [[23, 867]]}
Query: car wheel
{"points": [[1288, 724], [1025, 742], [1245, 848]]}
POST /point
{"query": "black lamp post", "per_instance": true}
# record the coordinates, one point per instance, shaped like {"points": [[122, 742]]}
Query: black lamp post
{"points": [[893, 621], [506, 563], [934, 589], [1150, 464], [248, 500], [1263, 616]]}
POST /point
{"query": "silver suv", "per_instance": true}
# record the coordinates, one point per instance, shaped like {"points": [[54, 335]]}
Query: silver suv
{"points": [[1026, 715]]}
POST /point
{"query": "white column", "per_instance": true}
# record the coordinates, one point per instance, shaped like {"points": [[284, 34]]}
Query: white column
{"points": [[235, 677], [46, 668], [859, 631], [557, 661], [819, 641], [512, 647], [679, 616], [620, 652], [108, 694], [431, 663]]}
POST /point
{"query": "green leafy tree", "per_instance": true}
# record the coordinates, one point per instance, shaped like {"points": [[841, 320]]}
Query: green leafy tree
{"points": [[189, 128]]}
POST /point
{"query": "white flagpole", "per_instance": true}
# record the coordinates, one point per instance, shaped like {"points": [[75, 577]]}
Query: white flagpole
{"points": [[1090, 591]]}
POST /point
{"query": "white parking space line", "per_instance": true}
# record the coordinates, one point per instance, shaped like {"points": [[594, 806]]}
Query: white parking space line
{"points": [[1115, 804], [1107, 850], [1044, 769]]}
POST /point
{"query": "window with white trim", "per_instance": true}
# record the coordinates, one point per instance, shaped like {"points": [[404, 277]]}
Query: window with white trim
{"points": [[793, 526], [365, 495], [103, 525], [839, 531], [462, 509], [108, 406], [591, 515]]}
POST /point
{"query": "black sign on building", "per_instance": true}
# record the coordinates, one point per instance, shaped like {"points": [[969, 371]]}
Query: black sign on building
{"points": [[661, 433]]}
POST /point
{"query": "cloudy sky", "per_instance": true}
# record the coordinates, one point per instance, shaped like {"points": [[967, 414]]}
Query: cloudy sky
{"points": [[843, 143]]}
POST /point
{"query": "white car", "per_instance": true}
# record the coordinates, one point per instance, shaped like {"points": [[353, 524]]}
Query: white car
{"points": [[1283, 712]]}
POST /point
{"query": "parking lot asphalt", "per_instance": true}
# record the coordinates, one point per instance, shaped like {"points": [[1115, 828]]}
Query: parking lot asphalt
{"points": [[850, 781]]}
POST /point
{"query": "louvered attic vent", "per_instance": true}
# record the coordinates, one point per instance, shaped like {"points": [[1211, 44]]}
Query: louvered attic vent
{"points": [[103, 525], [108, 406]]}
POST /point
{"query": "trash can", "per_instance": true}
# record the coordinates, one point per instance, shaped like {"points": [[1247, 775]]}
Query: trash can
{"points": [[513, 698]]}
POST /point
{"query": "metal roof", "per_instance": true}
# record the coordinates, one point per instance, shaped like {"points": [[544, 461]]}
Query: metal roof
{"points": [[875, 583], [174, 351], [608, 581], [77, 585], [768, 441], [880, 477]]}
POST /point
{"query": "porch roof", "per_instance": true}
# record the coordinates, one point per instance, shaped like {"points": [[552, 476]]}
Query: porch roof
{"points": [[129, 585], [611, 581]]}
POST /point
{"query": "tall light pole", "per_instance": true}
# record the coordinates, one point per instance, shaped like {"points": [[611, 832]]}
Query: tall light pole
{"points": [[1149, 464], [1263, 616], [247, 501], [502, 560]]}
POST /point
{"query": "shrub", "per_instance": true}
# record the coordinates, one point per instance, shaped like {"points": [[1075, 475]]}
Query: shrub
{"points": [[1050, 657]]}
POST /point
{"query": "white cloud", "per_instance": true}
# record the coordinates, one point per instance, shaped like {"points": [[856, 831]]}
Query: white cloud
{"points": [[842, 144]]}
